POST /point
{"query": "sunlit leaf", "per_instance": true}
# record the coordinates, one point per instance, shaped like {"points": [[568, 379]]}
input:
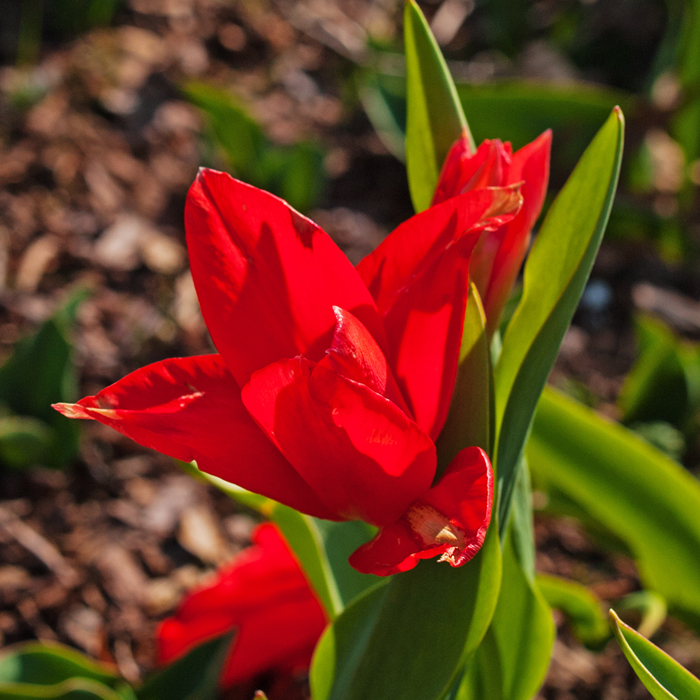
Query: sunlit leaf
{"points": [[49, 670], [616, 479], [434, 115], [410, 637], [582, 608], [555, 275], [663, 677]]}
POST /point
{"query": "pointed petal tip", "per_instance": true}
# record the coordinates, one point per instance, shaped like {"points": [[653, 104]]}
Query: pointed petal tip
{"points": [[71, 410]]}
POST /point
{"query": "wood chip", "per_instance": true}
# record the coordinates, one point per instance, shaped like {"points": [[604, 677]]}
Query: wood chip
{"points": [[39, 546]]}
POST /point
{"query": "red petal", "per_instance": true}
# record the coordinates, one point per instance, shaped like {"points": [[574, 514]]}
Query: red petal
{"points": [[264, 594], [190, 408], [530, 165], [359, 452], [417, 242], [463, 172], [419, 278], [451, 519], [429, 320], [355, 354], [266, 276]]}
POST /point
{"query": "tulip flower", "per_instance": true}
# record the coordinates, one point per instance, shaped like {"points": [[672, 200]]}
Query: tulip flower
{"points": [[264, 596], [331, 383], [499, 254]]}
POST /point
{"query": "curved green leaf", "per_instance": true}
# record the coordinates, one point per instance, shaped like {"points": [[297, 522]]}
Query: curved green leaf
{"points": [[409, 638], [49, 663], [582, 608], [651, 607], [643, 498], [663, 677], [70, 689], [555, 275], [434, 118]]}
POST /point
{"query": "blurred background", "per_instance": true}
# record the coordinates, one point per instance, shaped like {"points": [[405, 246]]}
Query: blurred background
{"points": [[107, 109]]}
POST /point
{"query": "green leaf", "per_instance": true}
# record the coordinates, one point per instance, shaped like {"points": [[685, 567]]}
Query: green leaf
{"points": [[651, 607], [45, 663], [523, 526], [340, 540], [555, 275], [49, 670], [615, 478], [664, 383], [384, 101], [582, 608], [193, 677], [24, 441], [70, 689], [512, 660], [295, 173], [410, 637], [663, 677], [434, 115], [238, 134], [40, 372], [515, 111], [519, 111], [469, 419]]}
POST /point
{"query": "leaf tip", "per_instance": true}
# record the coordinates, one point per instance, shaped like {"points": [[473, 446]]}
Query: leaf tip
{"points": [[617, 111]]}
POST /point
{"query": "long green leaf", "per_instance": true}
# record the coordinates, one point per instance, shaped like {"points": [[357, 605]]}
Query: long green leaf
{"points": [[663, 677], [512, 660], [555, 275], [409, 638], [647, 501], [434, 115]]}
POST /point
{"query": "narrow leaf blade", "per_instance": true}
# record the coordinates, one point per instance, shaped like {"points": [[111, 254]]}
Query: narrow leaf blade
{"points": [[435, 119], [663, 677], [555, 275]]}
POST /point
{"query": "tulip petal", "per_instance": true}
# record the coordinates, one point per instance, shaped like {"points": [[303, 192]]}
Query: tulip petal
{"points": [[451, 520], [417, 242], [364, 457], [464, 171], [355, 354], [190, 409], [530, 165], [258, 265], [265, 596], [419, 277]]}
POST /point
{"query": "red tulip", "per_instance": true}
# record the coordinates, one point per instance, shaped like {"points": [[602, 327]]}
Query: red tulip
{"points": [[332, 382], [500, 253], [264, 596]]}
